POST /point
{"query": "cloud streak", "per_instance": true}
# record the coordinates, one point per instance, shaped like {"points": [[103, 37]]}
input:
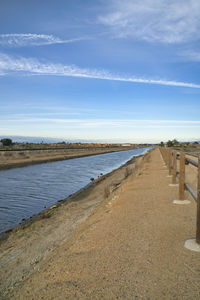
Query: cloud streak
{"points": [[163, 21], [30, 39], [191, 55], [30, 66], [100, 123], [120, 130]]}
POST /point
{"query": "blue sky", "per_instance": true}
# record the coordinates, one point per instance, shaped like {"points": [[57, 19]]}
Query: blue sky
{"points": [[120, 71]]}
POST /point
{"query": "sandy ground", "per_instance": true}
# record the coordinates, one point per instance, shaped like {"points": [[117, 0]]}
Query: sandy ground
{"points": [[28, 245], [130, 247]]}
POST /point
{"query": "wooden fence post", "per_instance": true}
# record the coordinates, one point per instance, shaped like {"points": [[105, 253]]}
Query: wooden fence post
{"points": [[170, 162], [165, 154], [198, 204], [160, 148], [168, 158], [182, 176], [174, 168]]}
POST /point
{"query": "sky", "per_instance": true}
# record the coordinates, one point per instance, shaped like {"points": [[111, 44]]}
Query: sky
{"points": [[103, 70]]}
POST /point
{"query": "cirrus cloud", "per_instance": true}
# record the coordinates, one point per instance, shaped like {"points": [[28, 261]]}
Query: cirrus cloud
{"points": [[31, 66], [163, 21], [30, 39]]}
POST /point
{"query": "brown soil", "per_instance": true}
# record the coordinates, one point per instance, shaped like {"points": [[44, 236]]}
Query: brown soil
{"points": [[130, 246]]}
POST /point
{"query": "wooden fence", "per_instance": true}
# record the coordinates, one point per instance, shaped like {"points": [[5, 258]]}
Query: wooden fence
{"points": [[170, 158]]}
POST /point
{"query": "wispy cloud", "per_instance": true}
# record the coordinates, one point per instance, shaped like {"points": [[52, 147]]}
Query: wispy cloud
{"points": [[36, 115], [30, 66], [120, 130], [113, 123], [102, 123], [30, 39], [164, 21], [191, 55]]}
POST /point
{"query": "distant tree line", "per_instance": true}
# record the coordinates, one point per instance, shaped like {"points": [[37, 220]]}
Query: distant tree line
{"points": [[6, 142], [175, 143]]}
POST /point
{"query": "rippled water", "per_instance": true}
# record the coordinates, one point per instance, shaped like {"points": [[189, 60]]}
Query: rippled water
{"points": [[29, 190]]}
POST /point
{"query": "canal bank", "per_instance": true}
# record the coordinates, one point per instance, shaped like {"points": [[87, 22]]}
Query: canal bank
{"points": [[21, 158], [131, 246], [26, 248], [29, 190]]}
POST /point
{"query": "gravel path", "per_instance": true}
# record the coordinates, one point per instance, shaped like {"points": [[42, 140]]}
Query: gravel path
{"points": [[130, 248]]}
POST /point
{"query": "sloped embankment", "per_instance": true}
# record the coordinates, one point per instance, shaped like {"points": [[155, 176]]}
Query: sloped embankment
{"points": [[14, 159], [30, 245]]}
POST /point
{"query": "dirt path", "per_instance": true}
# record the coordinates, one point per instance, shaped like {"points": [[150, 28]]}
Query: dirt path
{"points": [[131, 247]]}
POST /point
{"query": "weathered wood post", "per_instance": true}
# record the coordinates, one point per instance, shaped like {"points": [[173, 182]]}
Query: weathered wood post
{"points": [[170, 162], [165, 155], [168, 158], [198, 205], [182, 176], [174, 168], [160, 148]]}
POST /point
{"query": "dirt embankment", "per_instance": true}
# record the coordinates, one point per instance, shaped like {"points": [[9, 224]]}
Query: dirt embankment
{"points": [[29, 245], [15, 159], [123, 239]]}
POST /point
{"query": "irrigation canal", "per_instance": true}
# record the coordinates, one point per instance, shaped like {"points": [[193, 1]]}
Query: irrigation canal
{"points": [[29, 190]]}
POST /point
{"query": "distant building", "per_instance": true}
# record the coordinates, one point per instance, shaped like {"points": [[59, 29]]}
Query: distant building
{"points": [[126, 145]]}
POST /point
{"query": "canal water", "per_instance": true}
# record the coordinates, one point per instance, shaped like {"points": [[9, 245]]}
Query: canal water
{"points": [[29, 190]]}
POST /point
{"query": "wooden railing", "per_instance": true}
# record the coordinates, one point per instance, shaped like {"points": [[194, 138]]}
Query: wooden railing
{"points": [[170, 158]]}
